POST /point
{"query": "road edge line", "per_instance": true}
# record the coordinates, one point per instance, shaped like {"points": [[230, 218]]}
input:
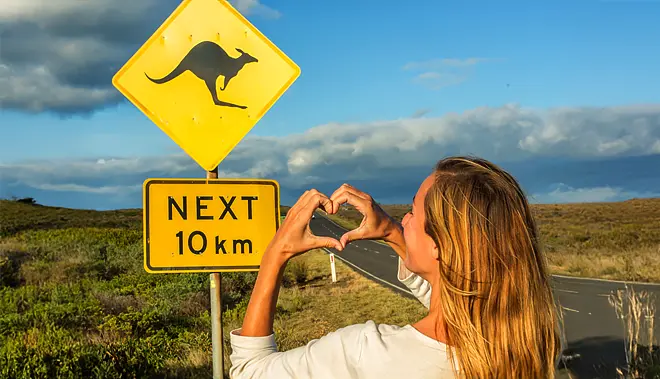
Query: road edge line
{"points": [[606, 280], [368, 273], [651, 284]]}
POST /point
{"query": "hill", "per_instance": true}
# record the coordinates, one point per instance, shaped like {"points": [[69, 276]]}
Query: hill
{"points": [[18, 216], [614, 240]]}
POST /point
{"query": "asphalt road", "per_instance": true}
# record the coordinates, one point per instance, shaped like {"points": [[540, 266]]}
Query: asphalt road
{"points": [[594, 334]]}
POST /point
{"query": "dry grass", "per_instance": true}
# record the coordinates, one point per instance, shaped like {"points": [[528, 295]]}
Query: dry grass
{"points": [[16, 217], [613, 240], [636, 312], [619, 240], [316, 307]]}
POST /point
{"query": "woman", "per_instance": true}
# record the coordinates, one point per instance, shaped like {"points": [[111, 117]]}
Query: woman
{"points": [[468, 251]]}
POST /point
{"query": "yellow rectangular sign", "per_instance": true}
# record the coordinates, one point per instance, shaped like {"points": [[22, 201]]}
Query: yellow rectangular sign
{"points": [[214, 225], [206, 77]]}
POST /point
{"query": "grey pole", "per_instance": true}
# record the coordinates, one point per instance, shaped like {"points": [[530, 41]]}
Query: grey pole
{"points": [[215, 283]]}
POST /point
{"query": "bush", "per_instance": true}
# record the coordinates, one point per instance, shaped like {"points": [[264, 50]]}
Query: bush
{"points": [[236, 286], [56, 353], [298, 268], [25, 200], [11, 258]]}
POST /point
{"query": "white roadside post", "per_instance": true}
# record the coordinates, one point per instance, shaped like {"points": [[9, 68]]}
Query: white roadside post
{"points": [[332, 267]]}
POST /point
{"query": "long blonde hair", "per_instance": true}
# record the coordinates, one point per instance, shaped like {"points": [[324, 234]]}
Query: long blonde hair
{"points": [[497, 304]]}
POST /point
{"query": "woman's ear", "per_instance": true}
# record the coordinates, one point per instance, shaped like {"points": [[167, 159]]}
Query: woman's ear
{"points": [[435, 252]]}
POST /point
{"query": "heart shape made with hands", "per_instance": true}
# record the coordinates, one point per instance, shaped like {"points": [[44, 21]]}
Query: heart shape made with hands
{"points": [[295, 235], [375, 222]]}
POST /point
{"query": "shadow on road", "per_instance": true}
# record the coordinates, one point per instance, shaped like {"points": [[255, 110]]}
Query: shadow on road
{"points": [[596, 357]]}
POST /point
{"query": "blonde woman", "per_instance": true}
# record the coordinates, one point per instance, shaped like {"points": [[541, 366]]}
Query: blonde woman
{"points": [[468, 251]]}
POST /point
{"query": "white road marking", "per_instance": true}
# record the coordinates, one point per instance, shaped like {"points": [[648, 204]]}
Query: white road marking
{"points": [[368, 273], [641, 284], [570, 309]]}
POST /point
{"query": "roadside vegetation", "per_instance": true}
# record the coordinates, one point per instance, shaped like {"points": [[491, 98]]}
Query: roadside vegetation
{"points": [[75, 300], [619, 240]]}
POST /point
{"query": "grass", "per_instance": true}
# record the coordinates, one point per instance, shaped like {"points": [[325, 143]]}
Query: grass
{"points": [[636, 310], [16, 217], [75, 301], [619, 240]]}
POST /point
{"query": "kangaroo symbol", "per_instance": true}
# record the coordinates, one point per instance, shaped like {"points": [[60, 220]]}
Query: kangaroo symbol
{"points": [[207, 60]]}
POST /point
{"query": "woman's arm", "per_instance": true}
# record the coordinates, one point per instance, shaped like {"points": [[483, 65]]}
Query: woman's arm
{"points": [[260, 313], [254, 352], [294, 237], [335, 355]]}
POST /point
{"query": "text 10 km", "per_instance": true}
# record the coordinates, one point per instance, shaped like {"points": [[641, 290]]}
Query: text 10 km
{"points": [[197, 243]]}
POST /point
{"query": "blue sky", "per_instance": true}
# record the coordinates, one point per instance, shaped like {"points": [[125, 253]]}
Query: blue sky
{"points": [[584, 73]]}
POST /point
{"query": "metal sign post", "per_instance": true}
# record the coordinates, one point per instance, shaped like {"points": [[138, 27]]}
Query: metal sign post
{"points": [[215, 285]]}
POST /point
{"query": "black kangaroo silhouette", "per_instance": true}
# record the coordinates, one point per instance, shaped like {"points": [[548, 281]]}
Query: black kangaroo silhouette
{"points": [[208, 60]]}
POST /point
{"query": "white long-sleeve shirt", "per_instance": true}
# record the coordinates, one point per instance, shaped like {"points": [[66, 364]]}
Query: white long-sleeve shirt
{"points": [[365, 351]]}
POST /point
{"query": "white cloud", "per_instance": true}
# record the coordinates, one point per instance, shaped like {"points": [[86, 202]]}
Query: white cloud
{"points": [[110, 190], [442, 63], [421, 112], [381, 149], [60, 55], [567, 194], [248, 7], [443, 72]]}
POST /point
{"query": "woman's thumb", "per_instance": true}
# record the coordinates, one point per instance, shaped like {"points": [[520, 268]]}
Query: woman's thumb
{"points": [[327, 242], [349, 236]]}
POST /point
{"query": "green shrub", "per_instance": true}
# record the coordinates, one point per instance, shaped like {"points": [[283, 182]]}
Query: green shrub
{"points": [[12, 256], [298, 269], [56, 353], [9, 271], [236, 286]]}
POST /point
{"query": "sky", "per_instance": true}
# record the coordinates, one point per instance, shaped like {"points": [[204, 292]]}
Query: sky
{"points": [[563, 94]]}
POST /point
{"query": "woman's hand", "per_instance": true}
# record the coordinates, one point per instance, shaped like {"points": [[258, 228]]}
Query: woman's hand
{"points": [[376, 223], [294, 235]]}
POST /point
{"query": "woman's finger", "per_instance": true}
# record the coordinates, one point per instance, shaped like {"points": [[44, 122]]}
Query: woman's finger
{"points": [[339, 191], [327, 242], [350, 188], [315, 201], [346, 196], [351, 235], [301, 200]]}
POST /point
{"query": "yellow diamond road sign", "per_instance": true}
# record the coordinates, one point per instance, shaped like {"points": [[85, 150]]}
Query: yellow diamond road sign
{"points": [[205, 77], [214, 225]]}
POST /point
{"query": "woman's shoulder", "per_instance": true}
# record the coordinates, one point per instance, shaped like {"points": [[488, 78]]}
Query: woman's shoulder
{"points": [[372, 332], [395, 344], [371, 327]]}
